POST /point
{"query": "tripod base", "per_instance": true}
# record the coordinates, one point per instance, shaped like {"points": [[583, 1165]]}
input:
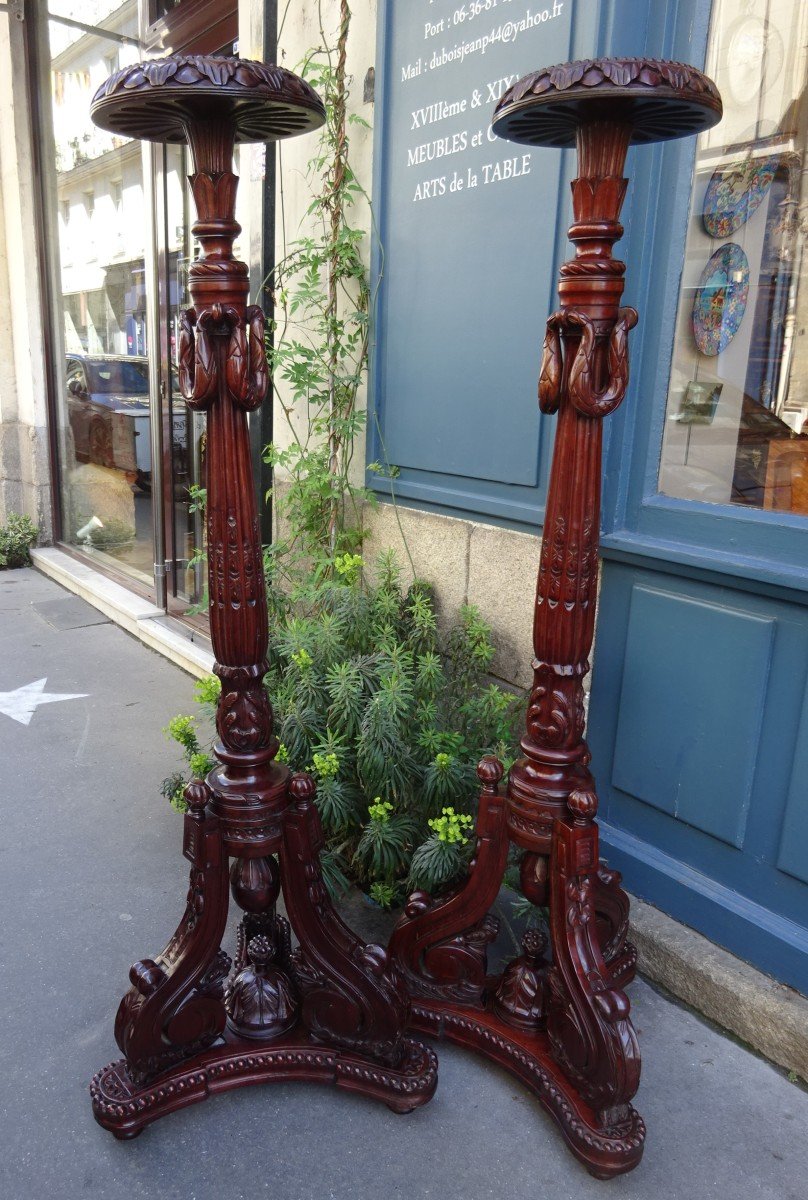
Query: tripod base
{"points": [[332, 1010], [527, 1056], [557, 1018], [125, 1107]]}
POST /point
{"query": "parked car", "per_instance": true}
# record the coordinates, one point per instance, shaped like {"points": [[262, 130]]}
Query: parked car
{"points": [[109, 411]]}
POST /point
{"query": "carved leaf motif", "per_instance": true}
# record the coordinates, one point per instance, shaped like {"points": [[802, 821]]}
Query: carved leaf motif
{"points": [[161, 70], [523, 86], [192, 69], [218, 70], [621, 72], [555, 714], [135, 78], [567, 74], [539, 84], [676, 74], [640, 73]]}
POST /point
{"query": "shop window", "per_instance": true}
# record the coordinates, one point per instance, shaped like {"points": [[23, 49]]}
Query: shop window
{"points": [[736, 425], [102, 402]]}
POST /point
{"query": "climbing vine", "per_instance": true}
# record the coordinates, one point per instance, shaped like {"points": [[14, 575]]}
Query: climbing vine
{"points": [[319, 342]]}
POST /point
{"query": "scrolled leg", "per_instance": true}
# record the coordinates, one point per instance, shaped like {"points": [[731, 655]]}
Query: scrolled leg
{"points": [[351, 998], [612, 909], [175, 1007], [441, 945], [588, 1023]]}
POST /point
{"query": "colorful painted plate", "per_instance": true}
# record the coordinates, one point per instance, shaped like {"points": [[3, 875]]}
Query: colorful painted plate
{"points": [[721, 299], [735, 192]]}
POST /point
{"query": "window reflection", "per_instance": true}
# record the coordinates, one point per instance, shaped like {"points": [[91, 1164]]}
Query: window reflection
{"points": [[188, 428], [104, 405], [736, 428]]}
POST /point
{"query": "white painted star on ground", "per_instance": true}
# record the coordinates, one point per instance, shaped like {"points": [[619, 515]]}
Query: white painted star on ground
{"points": [[22, 703]]}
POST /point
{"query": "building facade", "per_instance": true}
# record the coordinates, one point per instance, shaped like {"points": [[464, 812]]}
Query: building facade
{"points": [[699, 707]]}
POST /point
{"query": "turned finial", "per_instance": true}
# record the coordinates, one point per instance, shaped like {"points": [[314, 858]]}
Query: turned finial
{"points": [[490, 770], [302, 787]]}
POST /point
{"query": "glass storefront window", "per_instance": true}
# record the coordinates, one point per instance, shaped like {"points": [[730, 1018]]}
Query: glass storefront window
{"points": [[108, 406], [187, 428], [104, 403], [736, 425]]}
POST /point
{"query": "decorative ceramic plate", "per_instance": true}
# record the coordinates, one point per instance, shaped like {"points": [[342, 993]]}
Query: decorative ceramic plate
{"points": [[735, 192], [721, 299]]}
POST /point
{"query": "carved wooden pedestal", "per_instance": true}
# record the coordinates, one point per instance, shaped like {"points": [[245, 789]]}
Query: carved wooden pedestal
{"points": [[560, 1021], [332, 1010]]}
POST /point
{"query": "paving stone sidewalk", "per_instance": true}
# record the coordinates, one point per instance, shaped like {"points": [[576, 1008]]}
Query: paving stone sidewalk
{"points": [[91, 878]]}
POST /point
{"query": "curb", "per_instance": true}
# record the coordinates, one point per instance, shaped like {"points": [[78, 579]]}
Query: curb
{"points": [[769, 1016], [137, 616]]}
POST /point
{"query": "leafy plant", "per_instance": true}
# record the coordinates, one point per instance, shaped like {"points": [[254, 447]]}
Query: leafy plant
{"points": [[383, 894], [200, 762], [389, 717], [443, 855], [17, 537]]}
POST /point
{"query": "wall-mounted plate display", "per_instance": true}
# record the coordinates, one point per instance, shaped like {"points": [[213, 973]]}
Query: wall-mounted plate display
{"points": [[735, 192], [720, 301]]}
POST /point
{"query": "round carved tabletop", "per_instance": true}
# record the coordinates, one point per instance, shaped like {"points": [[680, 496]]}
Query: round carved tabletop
{"points": [[154, 100], [660, 100]]}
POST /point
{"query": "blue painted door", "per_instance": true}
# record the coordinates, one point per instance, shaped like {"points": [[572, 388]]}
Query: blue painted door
{"points": [[699, 708]]}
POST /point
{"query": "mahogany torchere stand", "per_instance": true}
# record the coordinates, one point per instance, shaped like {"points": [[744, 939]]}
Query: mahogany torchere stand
{"points": [[332, 1010], [560, 1021]]}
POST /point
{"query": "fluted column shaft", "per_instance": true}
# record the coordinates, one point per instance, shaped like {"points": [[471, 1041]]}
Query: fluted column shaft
{"points": [[580, 381]]}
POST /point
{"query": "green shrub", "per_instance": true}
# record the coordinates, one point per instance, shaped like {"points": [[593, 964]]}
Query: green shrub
{"points": [[17, 537], [389, 717]]}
